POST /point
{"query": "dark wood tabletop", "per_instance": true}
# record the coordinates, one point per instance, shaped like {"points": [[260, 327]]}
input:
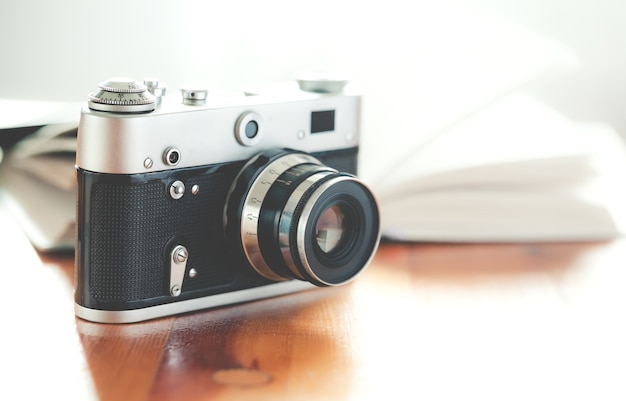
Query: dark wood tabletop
{"points": [[425, 321]]}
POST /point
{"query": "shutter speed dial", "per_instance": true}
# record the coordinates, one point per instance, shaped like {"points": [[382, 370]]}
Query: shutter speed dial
{"points": [[122, 95]]}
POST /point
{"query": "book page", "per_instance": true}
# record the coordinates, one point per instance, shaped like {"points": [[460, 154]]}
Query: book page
{"points": [[29, 113], [515, 131], [587, 204], [496, 215]]}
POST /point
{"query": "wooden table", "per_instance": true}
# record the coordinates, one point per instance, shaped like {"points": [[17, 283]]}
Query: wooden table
{"points": [[425, 321]]}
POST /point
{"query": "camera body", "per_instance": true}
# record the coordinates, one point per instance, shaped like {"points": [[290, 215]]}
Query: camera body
{"points": [[199, 200]]}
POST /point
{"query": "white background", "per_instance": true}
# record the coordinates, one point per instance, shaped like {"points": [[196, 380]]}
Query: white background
{"points": [[423, 65]]}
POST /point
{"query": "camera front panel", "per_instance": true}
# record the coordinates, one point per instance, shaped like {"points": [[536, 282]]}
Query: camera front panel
{"points": [[128, 226]]}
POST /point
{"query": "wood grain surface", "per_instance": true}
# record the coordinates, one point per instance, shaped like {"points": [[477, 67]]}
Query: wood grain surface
{"points": [[425, 321]]}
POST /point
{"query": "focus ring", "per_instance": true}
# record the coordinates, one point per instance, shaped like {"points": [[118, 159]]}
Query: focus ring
{"points": [[252, 208]]}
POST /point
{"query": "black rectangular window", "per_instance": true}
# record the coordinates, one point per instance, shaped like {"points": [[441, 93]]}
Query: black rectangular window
{"points": [[322, 121]]}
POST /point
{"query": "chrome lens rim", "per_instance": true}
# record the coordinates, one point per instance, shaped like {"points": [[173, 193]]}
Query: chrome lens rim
{"points": [[356, 249]]}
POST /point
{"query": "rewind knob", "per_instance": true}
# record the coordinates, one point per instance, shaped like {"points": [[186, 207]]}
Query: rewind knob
{"points": [[122, 95]]}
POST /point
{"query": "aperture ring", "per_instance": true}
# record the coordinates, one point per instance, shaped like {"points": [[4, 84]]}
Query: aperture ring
{"points": [[252, 208]]}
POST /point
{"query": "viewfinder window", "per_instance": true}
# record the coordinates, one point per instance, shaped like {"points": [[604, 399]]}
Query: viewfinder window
{"points": [[322, 121]]}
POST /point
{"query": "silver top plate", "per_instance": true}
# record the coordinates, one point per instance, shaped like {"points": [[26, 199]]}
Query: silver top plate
{"points": [[115, 143]]}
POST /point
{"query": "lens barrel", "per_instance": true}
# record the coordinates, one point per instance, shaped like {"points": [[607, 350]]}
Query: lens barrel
{"points": [[291, 217]]}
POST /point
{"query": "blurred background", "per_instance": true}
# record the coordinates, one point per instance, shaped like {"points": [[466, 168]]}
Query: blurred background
{"points": [[421, 63], [425, 67]]}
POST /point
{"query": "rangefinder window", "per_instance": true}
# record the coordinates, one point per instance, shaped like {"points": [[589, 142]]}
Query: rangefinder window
{"points": [[322, 121]]}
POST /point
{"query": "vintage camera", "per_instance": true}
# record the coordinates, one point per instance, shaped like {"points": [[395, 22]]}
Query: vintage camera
{"points": [[204, 199]]}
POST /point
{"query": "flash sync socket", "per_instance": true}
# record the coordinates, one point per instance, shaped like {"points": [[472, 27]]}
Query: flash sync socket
{"points": [[171, 157], [249, 128]]}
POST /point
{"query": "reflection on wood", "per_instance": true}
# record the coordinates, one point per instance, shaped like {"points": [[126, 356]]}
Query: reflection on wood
{"points": [[425, 321]]}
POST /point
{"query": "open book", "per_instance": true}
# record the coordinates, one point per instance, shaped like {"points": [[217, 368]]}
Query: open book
{"points": [[38, 185], [514, 171]]}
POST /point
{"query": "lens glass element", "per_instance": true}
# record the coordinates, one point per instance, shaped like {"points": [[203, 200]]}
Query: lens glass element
{"points": [[329, 228]]}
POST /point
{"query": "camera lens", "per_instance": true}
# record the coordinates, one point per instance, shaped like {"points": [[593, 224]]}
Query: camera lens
{"points": [[290, 217]]}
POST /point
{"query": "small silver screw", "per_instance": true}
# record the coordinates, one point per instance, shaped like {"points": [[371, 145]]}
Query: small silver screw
{"points": [[148, 163], [175, 290], [193, 273], [181, 255], [195, 189]]}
